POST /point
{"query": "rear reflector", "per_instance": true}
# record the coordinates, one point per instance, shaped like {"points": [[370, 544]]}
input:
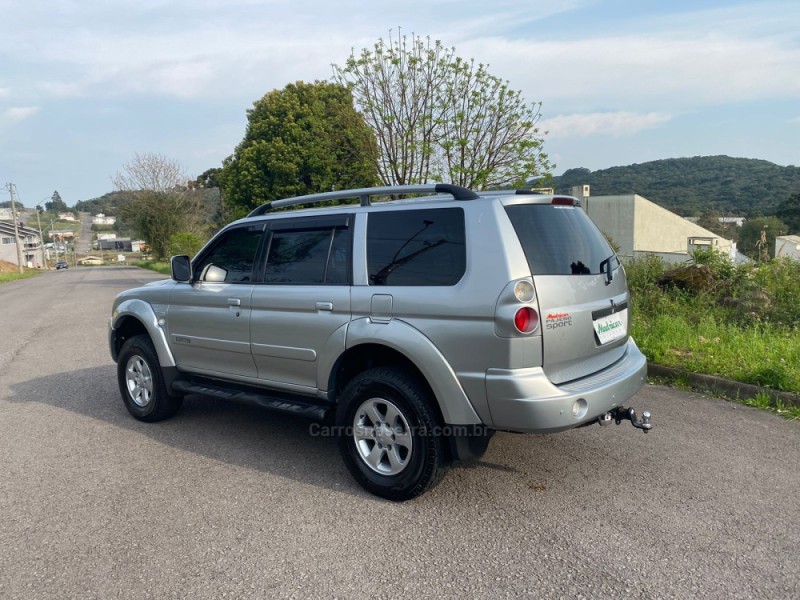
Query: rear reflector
{"points": [[563, 201], [526, 320]]}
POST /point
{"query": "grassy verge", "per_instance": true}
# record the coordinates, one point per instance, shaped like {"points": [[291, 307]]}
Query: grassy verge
{"points": [[6, 277], [152, 265], [740, 323]]}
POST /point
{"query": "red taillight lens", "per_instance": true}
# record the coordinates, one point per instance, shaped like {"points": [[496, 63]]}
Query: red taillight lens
{"points": [[526, 320], [560, 201]]}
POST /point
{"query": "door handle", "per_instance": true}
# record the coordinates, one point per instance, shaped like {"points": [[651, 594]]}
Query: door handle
{"points": [[234, 302], [324, 305]]}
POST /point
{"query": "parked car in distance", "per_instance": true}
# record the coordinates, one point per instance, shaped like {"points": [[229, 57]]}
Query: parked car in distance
{"points": [[91, 260], [421, 325], [62, 264]]}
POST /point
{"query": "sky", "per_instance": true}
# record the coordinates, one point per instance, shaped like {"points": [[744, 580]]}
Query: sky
{"points": [[86, 84]]}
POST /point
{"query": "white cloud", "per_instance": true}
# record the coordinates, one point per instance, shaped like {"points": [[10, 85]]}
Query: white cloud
{"points": [[608, 123], [653, 70], [4, 92], [19, 113]]}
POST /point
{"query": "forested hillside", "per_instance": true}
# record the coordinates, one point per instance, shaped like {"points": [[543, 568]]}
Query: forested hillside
{"points": [[691, 186]]}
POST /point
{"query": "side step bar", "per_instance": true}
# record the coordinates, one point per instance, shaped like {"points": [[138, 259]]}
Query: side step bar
{"points": [[310, 411]]}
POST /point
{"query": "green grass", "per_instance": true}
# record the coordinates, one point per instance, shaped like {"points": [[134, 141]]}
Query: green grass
{"points": [[746, 327], [759, 354], [6, 277], [157, 266]]}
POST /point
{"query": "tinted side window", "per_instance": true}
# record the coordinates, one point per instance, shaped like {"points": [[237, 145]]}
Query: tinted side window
{"points": [[316, 256], [232, 258], [416, 247]]}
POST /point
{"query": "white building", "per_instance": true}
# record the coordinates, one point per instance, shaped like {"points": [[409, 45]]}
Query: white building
{"points": [[32, 250], [66, 216], [787, 246], [101, 219], [640, 227]]}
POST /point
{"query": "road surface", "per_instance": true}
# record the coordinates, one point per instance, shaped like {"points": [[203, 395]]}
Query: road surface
{"points": [[229, 500]]}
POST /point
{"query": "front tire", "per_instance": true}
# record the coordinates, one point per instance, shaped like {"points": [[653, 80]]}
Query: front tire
{"points": [[141, 382], [390, 434]]}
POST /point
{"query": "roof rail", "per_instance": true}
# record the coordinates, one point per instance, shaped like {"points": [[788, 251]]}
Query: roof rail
{"points": [[456, 191]]}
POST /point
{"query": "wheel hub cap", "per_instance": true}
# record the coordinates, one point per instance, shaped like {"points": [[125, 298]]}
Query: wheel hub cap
{"points": [[382, 436]]}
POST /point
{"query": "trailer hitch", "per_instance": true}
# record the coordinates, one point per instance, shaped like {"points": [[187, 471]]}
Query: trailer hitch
{"points": [[620, 414]]}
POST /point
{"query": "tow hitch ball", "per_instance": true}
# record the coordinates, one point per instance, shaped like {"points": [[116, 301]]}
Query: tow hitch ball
{"points": [[620, 414]]}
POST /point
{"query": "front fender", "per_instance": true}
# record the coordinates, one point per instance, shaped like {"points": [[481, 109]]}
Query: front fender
{"points": [[144, 313], [417, 348]]}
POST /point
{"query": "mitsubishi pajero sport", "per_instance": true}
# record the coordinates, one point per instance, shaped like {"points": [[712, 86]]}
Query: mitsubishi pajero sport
{"points": [[411, 328]]}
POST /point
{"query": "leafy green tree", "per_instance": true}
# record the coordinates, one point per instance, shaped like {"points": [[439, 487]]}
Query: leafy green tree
{"points": [[56, 204], [788, 211], [159, 204], [757, 237], [306, 138], [185, 243], [439, 117]]}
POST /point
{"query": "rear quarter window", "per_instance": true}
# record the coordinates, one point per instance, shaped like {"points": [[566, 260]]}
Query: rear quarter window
{"points": [[416, 247]]}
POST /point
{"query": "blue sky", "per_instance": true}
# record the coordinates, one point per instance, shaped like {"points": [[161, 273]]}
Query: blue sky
{"points": [[85, 84]]}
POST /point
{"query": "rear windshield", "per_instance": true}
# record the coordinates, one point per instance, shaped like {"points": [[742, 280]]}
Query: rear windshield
{"points": [[559, 240]]}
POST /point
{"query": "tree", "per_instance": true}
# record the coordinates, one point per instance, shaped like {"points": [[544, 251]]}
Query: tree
{"points": [[788, 211], [439, 117], [159, 203], [757, 237], [306, 138], [56, 204], [185, 243]]}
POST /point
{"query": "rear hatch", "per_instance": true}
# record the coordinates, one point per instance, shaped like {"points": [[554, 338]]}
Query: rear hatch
{"points": [[580, 286]]}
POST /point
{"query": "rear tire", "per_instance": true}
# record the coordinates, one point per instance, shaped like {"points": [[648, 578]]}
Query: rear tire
{"points": [[141, 382], [390, 434]]}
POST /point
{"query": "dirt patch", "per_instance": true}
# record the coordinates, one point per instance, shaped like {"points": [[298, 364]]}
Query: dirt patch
{"points": [[7, 267]]}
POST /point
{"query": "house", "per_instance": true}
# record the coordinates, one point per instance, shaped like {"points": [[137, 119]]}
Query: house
{"points": [[6, 215], [787, 246], [640, 227], [66, 216], [119, 244], [101, 219], [62, 234], [32, 249]]}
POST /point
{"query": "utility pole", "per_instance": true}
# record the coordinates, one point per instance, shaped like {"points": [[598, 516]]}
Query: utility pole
{"points": [[10, 187], [55, 243], [41, 239]]}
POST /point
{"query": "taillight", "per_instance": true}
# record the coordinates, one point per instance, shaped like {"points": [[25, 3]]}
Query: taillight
{"points": [[563, 201], [526, 320]]}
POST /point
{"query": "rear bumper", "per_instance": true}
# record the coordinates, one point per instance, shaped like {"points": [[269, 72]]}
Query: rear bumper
{"points": [[525, 400]]}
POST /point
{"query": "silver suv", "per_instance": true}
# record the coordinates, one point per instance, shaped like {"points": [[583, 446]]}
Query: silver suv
{"points": [[412, 328]]}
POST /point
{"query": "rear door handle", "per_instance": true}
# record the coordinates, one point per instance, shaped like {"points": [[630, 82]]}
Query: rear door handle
{"points": [[234, 302], [324, 305]]}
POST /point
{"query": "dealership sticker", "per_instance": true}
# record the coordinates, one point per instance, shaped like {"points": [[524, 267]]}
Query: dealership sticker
{"points": [[612, 327]]}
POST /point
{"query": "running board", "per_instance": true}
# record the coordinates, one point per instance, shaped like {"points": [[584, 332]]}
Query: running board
{"points": [[300, 409]]}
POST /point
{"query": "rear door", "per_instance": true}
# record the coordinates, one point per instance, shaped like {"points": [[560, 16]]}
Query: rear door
{"points": [[580, 285], [302, 306]]}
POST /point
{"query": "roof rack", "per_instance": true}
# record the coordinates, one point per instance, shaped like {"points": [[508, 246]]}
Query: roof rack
{"points": [[456, 191]]}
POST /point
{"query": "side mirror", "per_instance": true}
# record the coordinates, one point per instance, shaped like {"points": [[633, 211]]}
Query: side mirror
{"points": [[181, 268]]}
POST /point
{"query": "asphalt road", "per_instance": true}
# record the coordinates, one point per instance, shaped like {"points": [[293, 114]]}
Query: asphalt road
{"points": [[228, 500]]}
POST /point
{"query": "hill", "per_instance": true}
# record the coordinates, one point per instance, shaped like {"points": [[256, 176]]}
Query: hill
{"points": [[691, 186]]}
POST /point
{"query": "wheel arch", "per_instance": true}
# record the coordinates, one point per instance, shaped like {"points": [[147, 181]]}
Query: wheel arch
{"points": [[371, 345], [137, 317]]}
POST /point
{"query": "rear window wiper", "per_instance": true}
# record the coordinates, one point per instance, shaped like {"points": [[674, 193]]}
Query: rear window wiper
{"points": [[608, 271]]}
